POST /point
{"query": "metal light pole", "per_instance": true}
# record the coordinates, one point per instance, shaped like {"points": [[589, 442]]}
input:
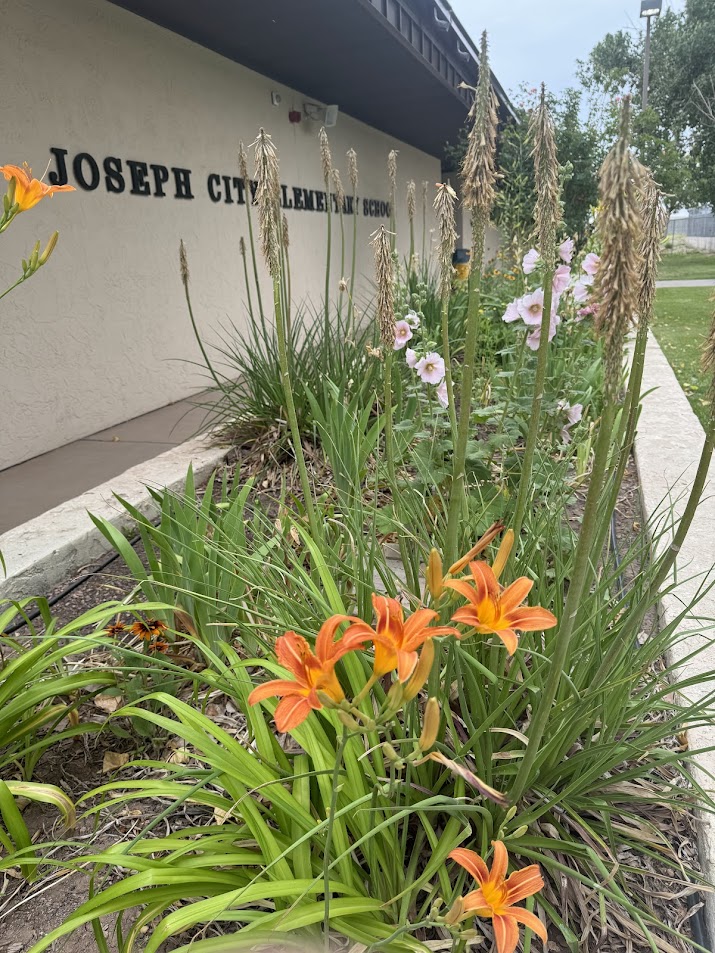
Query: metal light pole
{"points": [[649, 9]]}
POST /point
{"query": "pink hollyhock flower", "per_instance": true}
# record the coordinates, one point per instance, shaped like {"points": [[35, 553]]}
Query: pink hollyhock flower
{"points": [[512, 311], [566, 250], [580, 291], [403, 333], [591, 263], [412, 318], [530, 260], [531, 306], [535, 336], [586, 312], [431, 368], [411, 358], [442, 395], [573, 415], [562, 276]]}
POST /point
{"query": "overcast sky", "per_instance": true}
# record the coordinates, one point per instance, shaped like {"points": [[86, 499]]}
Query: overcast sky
{"points": [[534, 41]]}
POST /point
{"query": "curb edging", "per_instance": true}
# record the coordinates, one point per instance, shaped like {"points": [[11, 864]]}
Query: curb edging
{"points": [[667, 449], [47, 549]]}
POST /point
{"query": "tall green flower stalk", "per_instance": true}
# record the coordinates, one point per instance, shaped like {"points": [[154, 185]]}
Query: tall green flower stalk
{"points": [[242, 250], [184, 272], [411, 212], [326, 160], [547, 214], [479, 179], [248, 195], [616, 293], [392, 176], [285, 274], [353, 176], [268, 202], [425, 195], [385, 280], [340, 201], [444, 208]]}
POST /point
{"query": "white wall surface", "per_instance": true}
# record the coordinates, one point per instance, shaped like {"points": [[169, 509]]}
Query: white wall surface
{"points": [[101, 334]]}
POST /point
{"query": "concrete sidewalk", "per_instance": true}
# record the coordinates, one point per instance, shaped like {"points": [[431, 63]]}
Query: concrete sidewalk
{"points": [[686, 283], [35, 486]]}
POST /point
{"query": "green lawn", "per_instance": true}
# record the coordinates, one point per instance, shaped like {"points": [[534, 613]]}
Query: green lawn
{"points": [[686, 265], [682, 321]]}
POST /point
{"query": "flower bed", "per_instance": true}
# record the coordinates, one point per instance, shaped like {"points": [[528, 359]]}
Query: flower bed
{"points": [[474, 745]]}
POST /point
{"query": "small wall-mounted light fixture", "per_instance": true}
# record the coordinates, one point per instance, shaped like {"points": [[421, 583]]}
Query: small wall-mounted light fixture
{"points": [[275, 97], [327, 115]]}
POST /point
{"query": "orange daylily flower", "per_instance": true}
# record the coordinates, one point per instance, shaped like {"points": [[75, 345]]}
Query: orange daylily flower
{"points": [[29, 191], [493, 609], [313, 672], [497, 895], [396, 641]]}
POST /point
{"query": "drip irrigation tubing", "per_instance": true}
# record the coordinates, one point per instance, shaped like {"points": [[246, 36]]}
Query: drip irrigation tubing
{"points": [[66, 590]]}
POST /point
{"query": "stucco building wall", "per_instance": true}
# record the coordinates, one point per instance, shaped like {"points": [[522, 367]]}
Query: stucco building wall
{"points": [[101, 334]]}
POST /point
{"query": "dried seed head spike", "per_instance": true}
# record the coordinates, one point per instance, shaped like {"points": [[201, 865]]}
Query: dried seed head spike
{"points": [[183, 263], [242, 247], [325, 156], [243, 162], [411, 200], [655, 220], [479, 173], [352, 168], [444, 208], [385, 288], [339, 190], [284, 233], [619, 226], [547, 212], [425, 192], [267, 192], [392, 169]]}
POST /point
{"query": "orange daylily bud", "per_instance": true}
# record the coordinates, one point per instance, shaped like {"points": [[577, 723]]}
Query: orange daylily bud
{"points": [[478, 547], [456, 913], [430, 725], [504, 552], [349, 721], [395, 696], [421, 672], [435, 574], [49, 248], [390, 752]]}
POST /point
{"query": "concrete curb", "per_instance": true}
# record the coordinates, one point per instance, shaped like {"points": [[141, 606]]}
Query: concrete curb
{"points": [[48, 549], [667, 449]]}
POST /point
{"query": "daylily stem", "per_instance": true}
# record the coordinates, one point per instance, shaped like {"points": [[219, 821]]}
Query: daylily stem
{"points": [[329, 837]]}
